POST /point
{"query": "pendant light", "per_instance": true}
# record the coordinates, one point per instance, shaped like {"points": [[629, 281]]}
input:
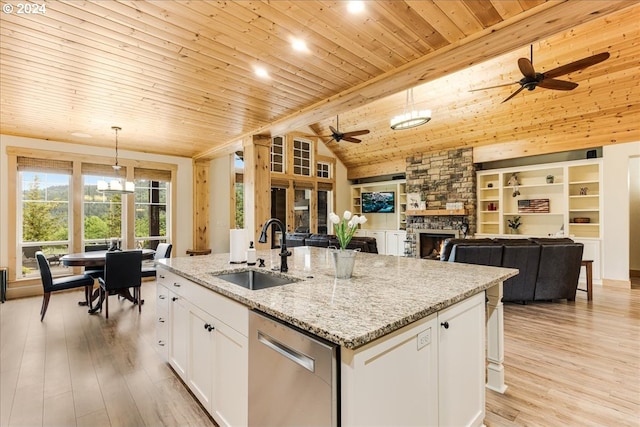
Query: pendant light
{"points": [[411, 117], [118, 185]]}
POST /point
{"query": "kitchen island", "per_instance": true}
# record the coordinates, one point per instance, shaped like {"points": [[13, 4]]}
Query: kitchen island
{"points": [[391, 310]]}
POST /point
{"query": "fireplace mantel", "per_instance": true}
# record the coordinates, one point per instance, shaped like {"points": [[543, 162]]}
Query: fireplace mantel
{"points": [[437, 212]]}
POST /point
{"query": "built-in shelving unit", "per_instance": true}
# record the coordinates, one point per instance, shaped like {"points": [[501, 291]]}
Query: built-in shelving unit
{"points": [[562, 198]]}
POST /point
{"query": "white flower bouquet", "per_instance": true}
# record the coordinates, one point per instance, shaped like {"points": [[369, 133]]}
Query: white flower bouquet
{"points": [[346, 226]]}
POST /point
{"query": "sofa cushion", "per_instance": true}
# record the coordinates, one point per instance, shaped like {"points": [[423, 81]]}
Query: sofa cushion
{"points": [[558, 271], [296, 239], [448, 245], [525, 257], [477, 254]]}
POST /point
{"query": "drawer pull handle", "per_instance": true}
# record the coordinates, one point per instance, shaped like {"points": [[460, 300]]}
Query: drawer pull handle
{"points": [[445, 325], [161, 320], [161, 343], [176, 284], [161, 297], [209, 327], [161, 276], [174, 299]]}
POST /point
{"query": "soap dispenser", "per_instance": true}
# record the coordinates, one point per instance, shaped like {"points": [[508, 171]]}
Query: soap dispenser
{"points": [[251, 254]]}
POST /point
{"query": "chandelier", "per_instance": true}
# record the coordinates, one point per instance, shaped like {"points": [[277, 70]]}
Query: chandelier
{"points": [[411, 117], [116, 186]]}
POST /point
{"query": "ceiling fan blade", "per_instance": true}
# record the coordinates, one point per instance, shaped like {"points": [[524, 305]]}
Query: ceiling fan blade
{"points": [[557, 84], [348, 138], [526, 68], [492, 87], [577, 65], [356, 133], [333, 130], [513, 94]]}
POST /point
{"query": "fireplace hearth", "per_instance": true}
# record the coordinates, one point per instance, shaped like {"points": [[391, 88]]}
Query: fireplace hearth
{"points": [[429, 242]]}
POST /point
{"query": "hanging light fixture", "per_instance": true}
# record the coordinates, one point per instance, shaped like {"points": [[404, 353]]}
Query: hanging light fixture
{"points": [[116, 186], [411, 117]]}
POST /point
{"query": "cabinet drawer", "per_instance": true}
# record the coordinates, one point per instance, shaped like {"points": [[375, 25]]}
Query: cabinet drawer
{"points": [[232, 313], [172, 281]]}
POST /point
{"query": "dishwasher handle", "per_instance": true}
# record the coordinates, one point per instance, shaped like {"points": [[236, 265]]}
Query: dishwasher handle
{"points": [[286, 351]]}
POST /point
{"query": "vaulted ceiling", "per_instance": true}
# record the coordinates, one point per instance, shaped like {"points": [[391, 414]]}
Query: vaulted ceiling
{"points": [[180, 78]]}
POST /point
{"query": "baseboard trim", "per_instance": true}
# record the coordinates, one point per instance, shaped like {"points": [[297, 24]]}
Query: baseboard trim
{"points": [[619, 284]]}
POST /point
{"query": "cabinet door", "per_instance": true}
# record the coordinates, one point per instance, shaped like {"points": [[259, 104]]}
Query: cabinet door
{"points": [[201, 355], [393, 381], [230, 377], [162, 321], [381, 240], [395, 242], [461, 363], [178, 337]]}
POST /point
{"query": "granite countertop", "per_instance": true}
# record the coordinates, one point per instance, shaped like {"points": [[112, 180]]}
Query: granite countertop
{"points": [[385, 293]]}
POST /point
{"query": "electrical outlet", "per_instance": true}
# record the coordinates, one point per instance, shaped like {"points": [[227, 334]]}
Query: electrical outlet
{"points": [[424, 338]]}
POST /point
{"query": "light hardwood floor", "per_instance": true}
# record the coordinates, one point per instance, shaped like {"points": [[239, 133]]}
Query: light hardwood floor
{"points": [[567, 364]]}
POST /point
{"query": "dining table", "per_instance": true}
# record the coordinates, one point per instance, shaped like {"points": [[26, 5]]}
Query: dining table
{"points": [[96, 260]]}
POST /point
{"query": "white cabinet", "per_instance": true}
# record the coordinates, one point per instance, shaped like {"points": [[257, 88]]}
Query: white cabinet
{"points": [[201, 359], [461, 363], [178, 338], [395, 242], [381, 240], [208, 347], [436, 364], [162, 321]]}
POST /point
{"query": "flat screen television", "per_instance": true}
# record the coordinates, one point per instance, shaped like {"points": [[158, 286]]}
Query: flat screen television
{"points": [[378, 201]]}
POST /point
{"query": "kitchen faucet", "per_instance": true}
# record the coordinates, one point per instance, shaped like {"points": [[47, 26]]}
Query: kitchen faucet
{"points": [[284, 253]]}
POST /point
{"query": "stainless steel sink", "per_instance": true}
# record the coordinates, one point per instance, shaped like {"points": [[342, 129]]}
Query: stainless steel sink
{"points": [[255, 280]]}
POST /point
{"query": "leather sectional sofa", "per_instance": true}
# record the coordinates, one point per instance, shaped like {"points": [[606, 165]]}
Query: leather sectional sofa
{"points": [[549, 267], [366, 244]]}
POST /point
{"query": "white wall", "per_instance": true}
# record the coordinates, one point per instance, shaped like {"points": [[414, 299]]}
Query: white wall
{"points": [[616, 199], [184, 210]]}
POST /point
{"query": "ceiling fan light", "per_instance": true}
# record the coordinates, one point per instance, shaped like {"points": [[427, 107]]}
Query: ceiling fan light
{"points": [[410, 119]]}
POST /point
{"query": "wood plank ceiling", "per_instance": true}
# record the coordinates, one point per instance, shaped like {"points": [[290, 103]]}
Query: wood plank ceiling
{"points": [[179, 76]]}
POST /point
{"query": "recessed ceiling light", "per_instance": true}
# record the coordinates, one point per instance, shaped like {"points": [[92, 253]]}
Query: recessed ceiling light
{"points": [[355, 6], [261, 72], [81, 135], [299, 45]]}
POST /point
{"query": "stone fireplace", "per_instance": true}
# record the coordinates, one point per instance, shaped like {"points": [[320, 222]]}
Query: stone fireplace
{"points": [[441, 177]]}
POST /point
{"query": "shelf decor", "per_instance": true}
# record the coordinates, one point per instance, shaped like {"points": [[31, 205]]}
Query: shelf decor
{"points": [[533, 206]]}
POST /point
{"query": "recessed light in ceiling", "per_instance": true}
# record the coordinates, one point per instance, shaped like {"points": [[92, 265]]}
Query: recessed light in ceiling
{"points": [[355, 6], [81, 135], [299, 45], [261, 72]]}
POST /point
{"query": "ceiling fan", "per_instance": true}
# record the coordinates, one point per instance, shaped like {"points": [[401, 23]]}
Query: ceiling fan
{"points": [[338, 136], [547, 80]]}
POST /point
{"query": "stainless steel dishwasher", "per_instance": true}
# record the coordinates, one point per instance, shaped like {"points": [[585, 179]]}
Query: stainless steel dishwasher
{"points": [[293, 376]]}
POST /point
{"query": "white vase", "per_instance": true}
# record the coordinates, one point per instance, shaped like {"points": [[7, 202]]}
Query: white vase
{"points": [[343, 261]]}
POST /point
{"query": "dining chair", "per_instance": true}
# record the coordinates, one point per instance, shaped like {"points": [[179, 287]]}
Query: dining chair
{"points": [[122, 270], [50, 284], [162, 251], [95, 272]]}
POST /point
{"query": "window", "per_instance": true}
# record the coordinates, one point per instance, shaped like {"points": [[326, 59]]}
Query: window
{"points": [[323, 170], [44, 211], [277, 154], [239, 190], [151, 197], [151, 213], [101, 214], [301, 157]]}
